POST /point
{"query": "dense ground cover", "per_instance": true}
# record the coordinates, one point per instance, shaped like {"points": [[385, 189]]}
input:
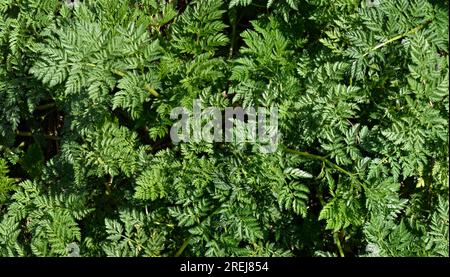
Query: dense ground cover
{"points": [[87, 166]]}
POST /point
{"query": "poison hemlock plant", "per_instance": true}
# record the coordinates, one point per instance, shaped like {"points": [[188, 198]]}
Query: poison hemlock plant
{"points": [[88, 168]]}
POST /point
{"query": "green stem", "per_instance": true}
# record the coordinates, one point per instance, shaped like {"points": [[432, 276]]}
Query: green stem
{"points": [[258, 6], [233, 35], [45, 106], [326, 161], [109, 185], [91, 64], [186, 242], [412, 31], [151, 90], [30, 134], [147, 87], [183, 246], [320, 158], [118, 72], [338, 244]]}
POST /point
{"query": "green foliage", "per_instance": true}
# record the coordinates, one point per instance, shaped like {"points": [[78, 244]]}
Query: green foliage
{"points": [[87, 167], [7, 184], [133, 236], [49, 219]]}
